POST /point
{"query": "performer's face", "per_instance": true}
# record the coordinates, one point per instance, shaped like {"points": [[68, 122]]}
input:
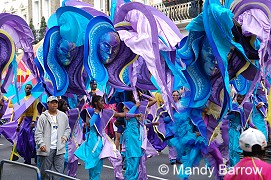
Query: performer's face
{"points": [[175, 96], [28, 89], [93, 85], [100, 104], [64, 52], [109, 46], [208, 58]]}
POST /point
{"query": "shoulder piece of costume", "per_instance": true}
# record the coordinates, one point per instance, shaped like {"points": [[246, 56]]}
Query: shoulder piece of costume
{"points": [[7, 51], [143, 75], [22, 36], [241, 85], [116, 69], [73, 115], [146, 20], [218, 24], [161, 113], [96, 28], [19, 108], [56, 72], [106, 57], [255, 19], [198, 80], [63, 50], [98, 122]]}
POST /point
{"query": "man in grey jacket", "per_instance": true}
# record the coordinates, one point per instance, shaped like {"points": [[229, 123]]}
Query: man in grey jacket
{"points": [[51, 135]]}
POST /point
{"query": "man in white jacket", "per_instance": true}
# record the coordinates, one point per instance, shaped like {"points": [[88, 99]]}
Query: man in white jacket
{"points": [[51, 135]]}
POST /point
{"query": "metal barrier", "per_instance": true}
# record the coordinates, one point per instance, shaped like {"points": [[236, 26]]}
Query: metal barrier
{"points": [[49, 172], [19, 164]]}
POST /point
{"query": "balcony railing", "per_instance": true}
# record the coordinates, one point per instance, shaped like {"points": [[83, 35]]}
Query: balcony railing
{"points": [[180, 11]]}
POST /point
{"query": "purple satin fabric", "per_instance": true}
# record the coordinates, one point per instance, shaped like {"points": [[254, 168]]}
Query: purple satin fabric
{"points": [[72, 168], [19, 109], [71, 149], [22, 36], [255, 21], [117, 165], [26, 145], [8, 130], [144, 41], [156, 142], [73, 115], [109, 151], [172, 153]]}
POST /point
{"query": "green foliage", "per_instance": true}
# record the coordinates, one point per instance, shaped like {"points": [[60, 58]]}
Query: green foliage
{"points": [[42, 30], [31, 26]]}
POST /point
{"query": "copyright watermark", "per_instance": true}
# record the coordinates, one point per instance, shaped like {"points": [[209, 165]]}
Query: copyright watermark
{"points": [[163, 169]]}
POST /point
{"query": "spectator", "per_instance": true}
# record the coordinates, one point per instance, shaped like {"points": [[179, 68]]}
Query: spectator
{"points": [[253, 143], [51, 135]]}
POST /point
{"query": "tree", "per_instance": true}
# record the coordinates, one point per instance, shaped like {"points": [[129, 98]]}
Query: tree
{"points": [[42, 30], [31, 26]]}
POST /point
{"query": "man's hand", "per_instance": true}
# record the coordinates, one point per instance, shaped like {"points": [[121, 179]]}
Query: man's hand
{"points": [[197, 133], [63, 140], [43, 148]]}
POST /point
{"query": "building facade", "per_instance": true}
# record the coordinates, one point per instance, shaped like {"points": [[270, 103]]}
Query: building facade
{"points": [[35, 9]]}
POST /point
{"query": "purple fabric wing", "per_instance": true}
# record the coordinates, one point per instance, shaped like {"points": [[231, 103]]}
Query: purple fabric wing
{"points": [[124, 57], [106, 116], [75, 73], [73, 115], [143, 76], [22, 36], [143, 40], [5, 51]]}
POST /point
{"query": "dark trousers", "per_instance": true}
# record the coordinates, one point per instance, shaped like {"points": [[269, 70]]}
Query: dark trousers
{"points": [[52, 162]]}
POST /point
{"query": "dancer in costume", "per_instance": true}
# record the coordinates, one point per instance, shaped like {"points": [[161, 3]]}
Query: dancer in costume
{"points": [[135, 145], [98, 145], [169, 126], [259, 113], [26, 146], [12, 26], [71, 161], [236, 125], [132, 142]]}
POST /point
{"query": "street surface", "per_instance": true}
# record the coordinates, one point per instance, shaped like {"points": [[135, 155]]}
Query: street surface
{"points": [[14, 172]]}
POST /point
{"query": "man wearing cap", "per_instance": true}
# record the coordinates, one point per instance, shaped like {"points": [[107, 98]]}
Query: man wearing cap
{"points": [[253, 143], [51, 135]]}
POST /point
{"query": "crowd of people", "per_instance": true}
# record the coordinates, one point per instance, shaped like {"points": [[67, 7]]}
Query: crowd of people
{"points": [[56, 135], [127, 86]]}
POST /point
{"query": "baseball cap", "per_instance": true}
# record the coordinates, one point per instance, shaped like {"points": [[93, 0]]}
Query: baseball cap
{"points": [[251, 137], [52, 98]]}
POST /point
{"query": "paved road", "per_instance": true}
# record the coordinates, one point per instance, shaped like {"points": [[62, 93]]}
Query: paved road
{"points": [[13, 172]]}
